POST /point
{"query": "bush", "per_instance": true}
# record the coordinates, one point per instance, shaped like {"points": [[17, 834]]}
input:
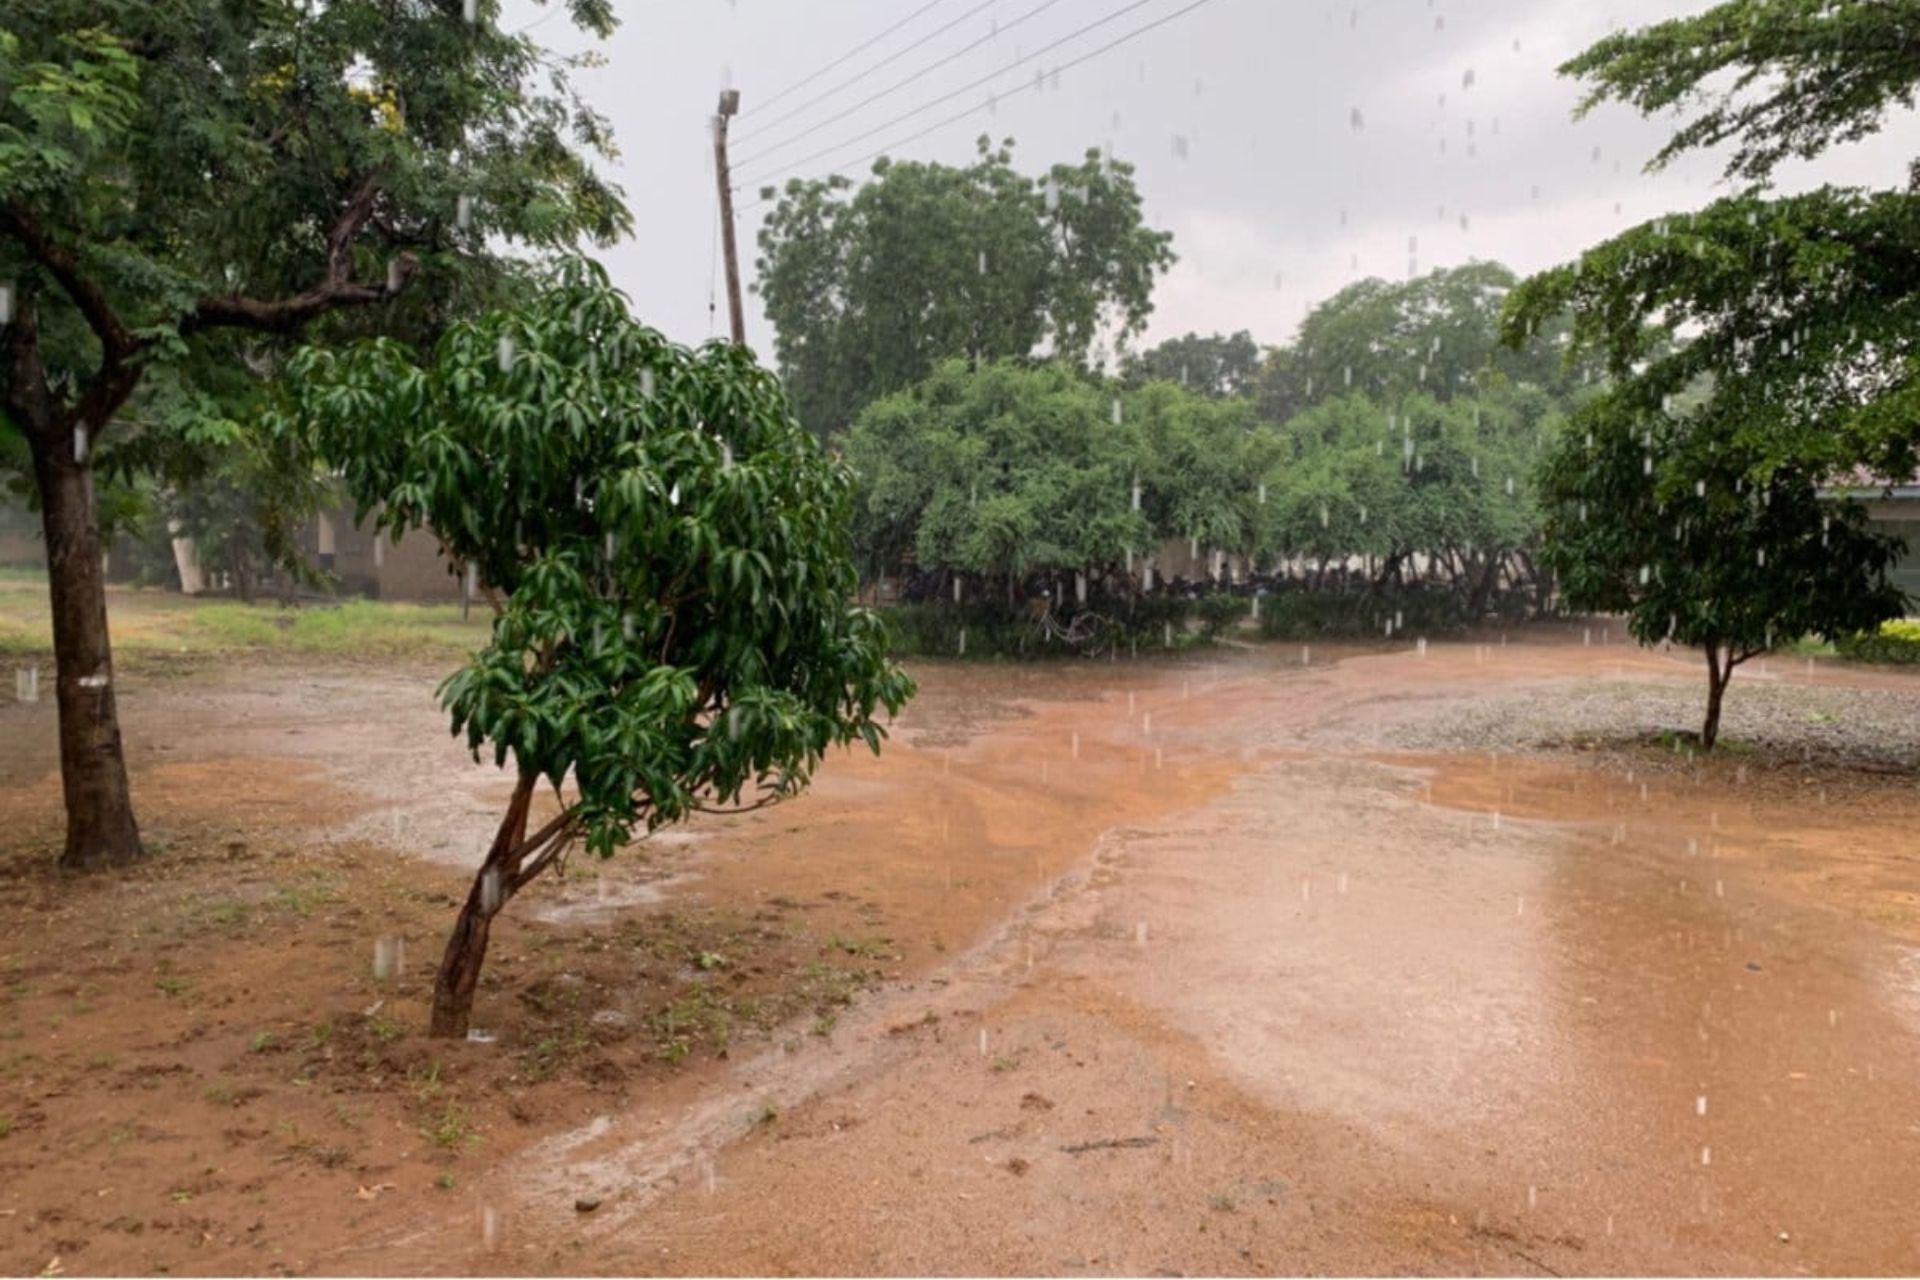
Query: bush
{"points": [[1895, 641], [1221, 612], [997, 629], [1302, 615]]}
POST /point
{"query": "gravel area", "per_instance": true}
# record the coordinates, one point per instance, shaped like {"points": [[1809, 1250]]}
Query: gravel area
{"points": [[1784, 722]]}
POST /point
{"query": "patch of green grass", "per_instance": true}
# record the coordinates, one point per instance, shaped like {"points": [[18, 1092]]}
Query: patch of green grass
{"points": [[450, 1129], [262, 1042], [425, 1082], [445, 1181], [317, 889], [225, 914], [6, 1126], [173, 986], [865, 949], [548, 1054], [363, 627], [151, 621], [699, 1016]]}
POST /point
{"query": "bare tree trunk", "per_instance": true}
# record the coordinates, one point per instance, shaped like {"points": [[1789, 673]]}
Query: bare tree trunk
{"points": [[1718, 673], [243, 576], [1483, 588], [101, 831], [493, 885]]}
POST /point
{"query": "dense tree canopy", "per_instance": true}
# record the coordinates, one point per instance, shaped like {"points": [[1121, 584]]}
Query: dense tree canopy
{"points": [[997, 473], [1796, 312], [671, 549], [1776, 79], [185, 185], [1214, 365], [1013, 472], [1442, 483], [870, 288], [1696, 552], [1436, 335]]}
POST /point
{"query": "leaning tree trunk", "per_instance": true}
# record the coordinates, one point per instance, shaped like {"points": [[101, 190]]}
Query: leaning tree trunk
{"points": [[93, 769], [493, 885]]}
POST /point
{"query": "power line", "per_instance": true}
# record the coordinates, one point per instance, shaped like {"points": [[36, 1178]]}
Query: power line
{"points": [[851, 53], [993, 100], [969, 87], [893, 88], [891, 58]]}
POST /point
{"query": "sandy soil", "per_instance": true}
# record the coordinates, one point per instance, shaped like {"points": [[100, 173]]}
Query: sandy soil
{"points": [[1232, 964]]}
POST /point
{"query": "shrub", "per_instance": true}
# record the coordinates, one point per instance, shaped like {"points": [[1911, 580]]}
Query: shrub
{"points": [[1297, 615], [1895, 641], [1221, 612], [997, 629]]}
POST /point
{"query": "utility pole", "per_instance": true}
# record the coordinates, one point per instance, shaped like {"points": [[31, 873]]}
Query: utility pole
{"points": [[729, 107]]}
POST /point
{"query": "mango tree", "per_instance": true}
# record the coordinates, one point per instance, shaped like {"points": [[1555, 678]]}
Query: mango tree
{"points": [[671, 553], [1655, 516]]}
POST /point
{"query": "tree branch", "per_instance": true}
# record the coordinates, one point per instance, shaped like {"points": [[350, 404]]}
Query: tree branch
{"points": [[771, 798], [23, 393], [337, 288], [61, 263], [559, 843]]}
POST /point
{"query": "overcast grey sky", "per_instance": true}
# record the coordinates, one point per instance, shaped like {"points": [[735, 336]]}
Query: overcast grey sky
{"points": [[1291, 146]]}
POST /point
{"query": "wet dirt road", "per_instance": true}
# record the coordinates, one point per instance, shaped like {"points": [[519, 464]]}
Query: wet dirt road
{"points": [[1274, 999], [1203, 968]]}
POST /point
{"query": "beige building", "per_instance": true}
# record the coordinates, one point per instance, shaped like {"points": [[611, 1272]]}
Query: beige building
{"points": [[1896, 510], [365, 564]]}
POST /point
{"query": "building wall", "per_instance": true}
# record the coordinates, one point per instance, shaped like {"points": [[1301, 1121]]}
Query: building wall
{"points": [[412, 569], [1901, 517]]}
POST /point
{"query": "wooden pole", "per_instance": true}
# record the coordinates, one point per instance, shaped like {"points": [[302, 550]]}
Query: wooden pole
{"points": [[729, 107]]}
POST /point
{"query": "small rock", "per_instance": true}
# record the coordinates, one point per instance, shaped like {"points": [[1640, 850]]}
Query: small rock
{"points": [[1784, 1237], [608, 1018], [586, 1204]]}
